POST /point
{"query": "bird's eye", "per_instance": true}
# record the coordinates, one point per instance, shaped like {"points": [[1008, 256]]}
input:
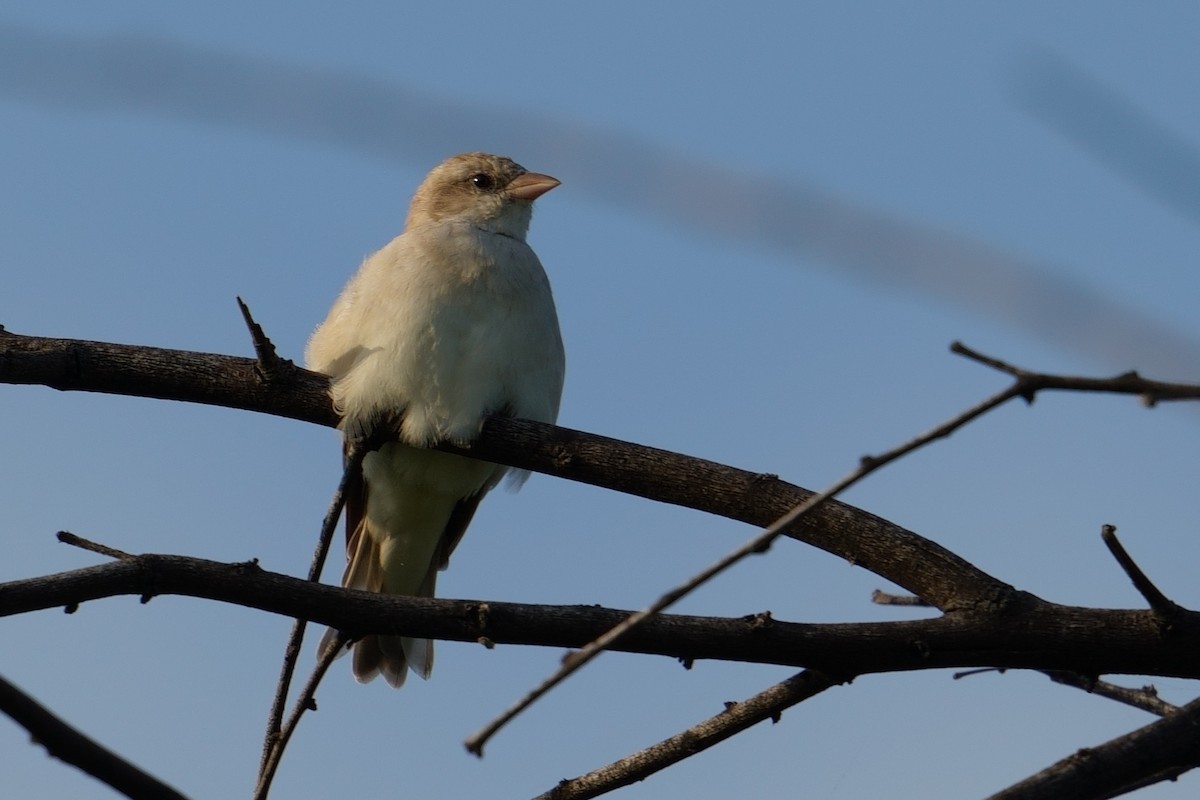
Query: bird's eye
{"points": [[483, 181]]}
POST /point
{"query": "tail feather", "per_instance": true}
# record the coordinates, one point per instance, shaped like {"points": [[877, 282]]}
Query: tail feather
{"points": [[370, 659], [380, 655], [420, 502], [419, 652], [389, 656]]}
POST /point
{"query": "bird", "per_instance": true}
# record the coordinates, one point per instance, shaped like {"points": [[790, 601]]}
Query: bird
{"points": [[450, 322]]}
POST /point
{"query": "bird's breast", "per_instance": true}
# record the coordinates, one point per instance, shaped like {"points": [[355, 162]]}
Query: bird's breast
{"points": [[461, 324]]}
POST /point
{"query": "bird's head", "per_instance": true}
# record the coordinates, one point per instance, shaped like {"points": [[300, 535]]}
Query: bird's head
{"points": [[491, 192]]}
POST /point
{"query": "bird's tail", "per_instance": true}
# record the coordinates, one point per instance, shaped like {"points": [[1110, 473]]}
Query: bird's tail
{"points": [[389, 656]]}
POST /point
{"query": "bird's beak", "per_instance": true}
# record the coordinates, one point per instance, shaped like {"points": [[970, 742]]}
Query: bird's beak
{"points": [[530, 185]]}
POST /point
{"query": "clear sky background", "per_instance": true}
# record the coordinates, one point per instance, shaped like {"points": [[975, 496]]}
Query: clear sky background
{"points": [[774, 218]]}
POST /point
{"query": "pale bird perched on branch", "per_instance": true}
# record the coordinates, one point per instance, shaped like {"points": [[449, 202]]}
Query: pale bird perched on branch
{"points": [[451, 321]]}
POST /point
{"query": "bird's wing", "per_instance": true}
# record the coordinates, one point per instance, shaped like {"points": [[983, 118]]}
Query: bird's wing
{"points": [[456, 526]]}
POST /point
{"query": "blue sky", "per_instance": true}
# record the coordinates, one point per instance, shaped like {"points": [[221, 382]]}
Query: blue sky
{"points": [[700, 314]]}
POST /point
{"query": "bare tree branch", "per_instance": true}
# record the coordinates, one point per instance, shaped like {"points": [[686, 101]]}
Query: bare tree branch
{"points": [[736, 717], [306, 702], [1160, 751], [155, 372], [919, 565], [1031, 383], [65, 743], [985, 621], [269, 362], [274, 741], [759, 544], [66, 537], [1146, 698], [1160, 604], [1032, 635]]}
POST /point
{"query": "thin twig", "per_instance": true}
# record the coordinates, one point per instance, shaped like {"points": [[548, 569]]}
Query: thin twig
{"points": [[1146, 698], [66, 537], [273, 742], [305, 702], [1150, 391], [737, 717], [1160, 604], [971, 673], [759, 544], [995, 363], [269, 362], [66, 743]]}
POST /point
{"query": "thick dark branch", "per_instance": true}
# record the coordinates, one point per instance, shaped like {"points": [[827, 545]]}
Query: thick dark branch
{"points": [[1036, 635], [64, 742], [1160, 751], [920, 566], [80, 365]]}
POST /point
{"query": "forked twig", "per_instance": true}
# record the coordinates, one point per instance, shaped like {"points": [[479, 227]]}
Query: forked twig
{"points": [[307, 701], [274, 741], [1150, 391]]}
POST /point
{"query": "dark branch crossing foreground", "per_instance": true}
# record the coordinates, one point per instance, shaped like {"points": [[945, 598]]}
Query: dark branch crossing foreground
{"points": [[983, 621]]}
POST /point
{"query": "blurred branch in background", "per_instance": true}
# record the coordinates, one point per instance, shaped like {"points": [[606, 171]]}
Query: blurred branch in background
{"points": [[1113, 130], [387, 120]]}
